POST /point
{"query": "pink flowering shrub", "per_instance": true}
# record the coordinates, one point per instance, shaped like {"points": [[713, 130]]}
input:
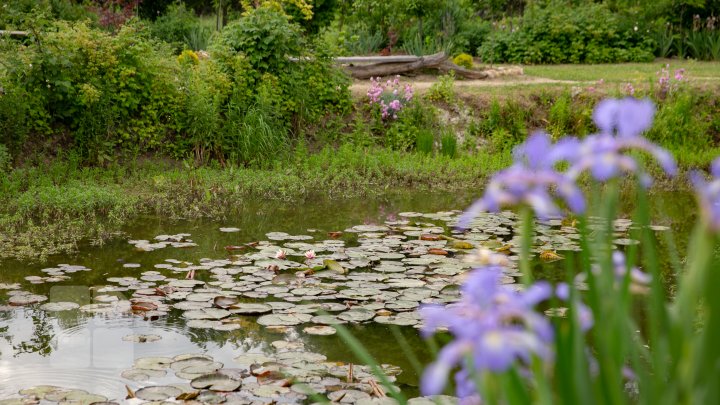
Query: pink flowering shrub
{"points": [[390, 96], [669, 83]]}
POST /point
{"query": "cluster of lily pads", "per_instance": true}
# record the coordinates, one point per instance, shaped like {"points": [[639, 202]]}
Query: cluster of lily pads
{"points": [[366, 273], [162, 241]]}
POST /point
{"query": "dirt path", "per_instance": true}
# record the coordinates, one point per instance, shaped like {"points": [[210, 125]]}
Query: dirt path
{"points": [[423, 82]]}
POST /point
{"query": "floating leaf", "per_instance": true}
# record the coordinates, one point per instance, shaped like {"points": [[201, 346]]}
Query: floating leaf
{"points": [[283, 319], [334, 266], [250, 309], [141, 338], [319, 330], [437, 251], [59, 306], [225, 302], [215, 382], [550, 256], [26, 299], [158, 393], [140, 374]]}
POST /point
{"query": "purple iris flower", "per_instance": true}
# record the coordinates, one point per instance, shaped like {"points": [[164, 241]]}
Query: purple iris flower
{"points": [[708, 195], [628, 117], [494, 327], [603, 156], [530, 181], [621, 123]]}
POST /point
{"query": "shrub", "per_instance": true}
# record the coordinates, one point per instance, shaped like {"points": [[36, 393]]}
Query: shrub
{"points": [[175, 26], [188, 57], [463, 60], [443, 89], [266, 37], [560, 32], [472, 35], [107, 90], [403, 133]]}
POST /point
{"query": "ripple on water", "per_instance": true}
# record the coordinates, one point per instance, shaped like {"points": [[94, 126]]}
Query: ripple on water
{"points": [[94, 380], [88, 353]]}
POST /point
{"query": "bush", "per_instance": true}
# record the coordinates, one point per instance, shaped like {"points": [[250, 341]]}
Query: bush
{"points": [[175, 26], [463, 60], [405, 133], [443, 89], [105, 90], [562, 33], [266, 37]]}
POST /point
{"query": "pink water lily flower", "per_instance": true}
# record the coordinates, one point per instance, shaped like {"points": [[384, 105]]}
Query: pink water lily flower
{"points": [[280, 254], [310, 254]]}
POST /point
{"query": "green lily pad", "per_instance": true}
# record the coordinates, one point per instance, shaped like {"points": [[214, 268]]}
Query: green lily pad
{"points": [[215, 382], [348, 396], [153, 363], [207, 313], [283, 319], [59, 306], [140, 374], [357, 315], [250, 309], [26, 299], [158, 393], [141, 338], [327, 320], [319, 330]]}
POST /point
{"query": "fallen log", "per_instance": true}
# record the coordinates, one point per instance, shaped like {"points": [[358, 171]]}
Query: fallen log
{"points": [[14, 33], [387, 68]]}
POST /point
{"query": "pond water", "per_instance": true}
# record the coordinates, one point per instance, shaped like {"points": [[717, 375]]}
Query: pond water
{"points": [[92, 349]]}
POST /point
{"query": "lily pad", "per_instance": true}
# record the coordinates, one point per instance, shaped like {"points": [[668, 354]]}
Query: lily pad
{"points": [[250, 309], [207, 313], [357, 315], [59, 306], [348, 396], [26, 299], [327, 320], [320, 330], [141, 338], [153, 363], [140, 374], [158, 393], [215, 382], [283, 319]]}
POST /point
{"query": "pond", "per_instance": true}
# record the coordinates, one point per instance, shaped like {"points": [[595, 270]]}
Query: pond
{"points": [[175, 301]]}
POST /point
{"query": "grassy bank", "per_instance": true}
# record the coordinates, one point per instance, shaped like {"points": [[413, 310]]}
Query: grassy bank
{"points": [[49, 209]]}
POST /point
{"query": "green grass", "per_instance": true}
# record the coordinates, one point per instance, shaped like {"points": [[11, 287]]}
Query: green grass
{"points": [[50, 209], [623, 72]]}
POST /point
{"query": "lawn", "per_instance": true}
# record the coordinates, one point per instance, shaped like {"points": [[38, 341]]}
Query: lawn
{"points": [[624, 72]]}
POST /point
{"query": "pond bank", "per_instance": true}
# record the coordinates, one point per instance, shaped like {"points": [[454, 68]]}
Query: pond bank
{"points": [[52, 209]]}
